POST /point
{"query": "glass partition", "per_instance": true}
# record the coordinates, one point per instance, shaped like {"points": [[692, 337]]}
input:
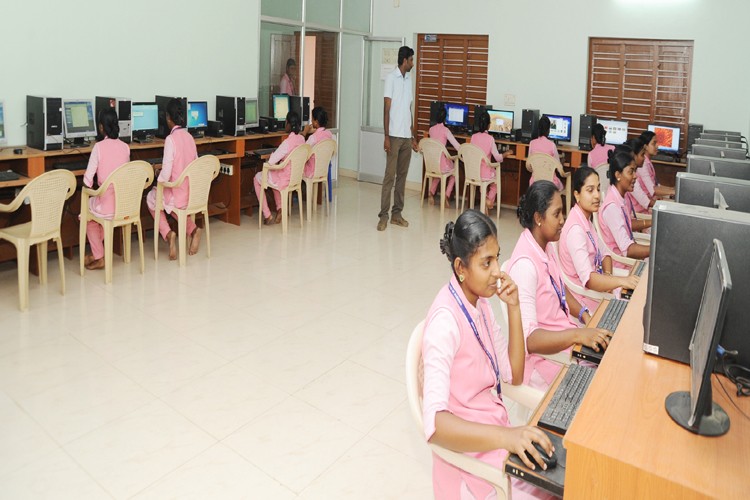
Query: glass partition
{"points": [[286, 9], [324, 12], [357, 15], [278, 45]]}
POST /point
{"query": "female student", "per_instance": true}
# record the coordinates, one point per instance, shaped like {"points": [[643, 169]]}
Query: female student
{"points": [[443, 135], [547, 309], [106, 156], [465, 356], [614, 215], [316, 132], [642, 197], [542, 144], [179, 152], [649, 173], [599, 147], [583, 257], [484, 141], [279, 179]]}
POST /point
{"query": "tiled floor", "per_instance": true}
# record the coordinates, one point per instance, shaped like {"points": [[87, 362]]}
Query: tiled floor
{"points": [[273, 370]]}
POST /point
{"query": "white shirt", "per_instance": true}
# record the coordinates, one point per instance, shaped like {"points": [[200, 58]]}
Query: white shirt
{"points": [[398, 89]]}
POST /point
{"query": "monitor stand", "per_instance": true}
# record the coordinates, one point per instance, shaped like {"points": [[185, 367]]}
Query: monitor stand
{"points": [[79, 142], [678, 407]]}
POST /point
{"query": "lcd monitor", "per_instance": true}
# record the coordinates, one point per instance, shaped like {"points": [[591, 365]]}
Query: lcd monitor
{"points": [[668, 138], [197, 116], [251, 112], [145, 120], [456, 115], [501, 122], [720, 167], [728, 153], [711, 191], [617, 130], [78, 119], [280, 107], [560, 127]]}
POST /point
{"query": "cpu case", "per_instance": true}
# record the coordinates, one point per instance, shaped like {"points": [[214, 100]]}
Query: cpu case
{"points": [[123, 107], [585, 126], [44, 122], [230, 111], [529, 125]]}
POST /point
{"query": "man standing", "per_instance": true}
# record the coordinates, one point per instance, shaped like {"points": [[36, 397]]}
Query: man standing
{"points": [[399, 138]]}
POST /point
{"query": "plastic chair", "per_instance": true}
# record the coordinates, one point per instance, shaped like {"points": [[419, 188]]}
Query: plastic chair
{"points": [[201, 172], [523, 395], [128, 181], [46, 194], [472, 158], [603, 171], [298, 157], [615, 257], [580, 290], [433, 152], [543, 167], [323, 152]]}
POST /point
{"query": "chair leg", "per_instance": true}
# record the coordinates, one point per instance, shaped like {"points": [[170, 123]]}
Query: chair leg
{"points": [[424, 191], [82, 242], [443, 181], [455, 190], [310, 198], [61, 264], [315, 189], [22, 251], [208, 234], [284, 210], [327, 193], [482, 197], [463, 197], [139, 228], [156, 231], [260, 206], [299, 195], [182, 236], [109, 240], [126, 243], [472, 196], [41, 255]]}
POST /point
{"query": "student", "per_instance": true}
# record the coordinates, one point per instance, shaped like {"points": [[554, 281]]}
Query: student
{"points": [[286, 84], [484, 141], [316, 132], [465, 356], [543, 145], [179, 152], [614, 215], [599, 147], [583, 257], [642, 197], [548, 311], [106, 156], [649, 173], [279, 179], [443, 135]]}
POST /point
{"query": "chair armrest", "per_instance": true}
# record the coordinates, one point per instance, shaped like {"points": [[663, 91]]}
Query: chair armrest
{"points": [[92, 192], [564, 358], [13, 205], [278, 166], [490, 473], [623, 260], [525, 395], [640, 216]]}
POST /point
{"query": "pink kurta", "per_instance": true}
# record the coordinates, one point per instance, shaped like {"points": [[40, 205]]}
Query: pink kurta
{"points": [[320, 134], [279, 179], [286, 85], [106, 157], [179, 152], [544, 145], [598, 155], [531, 269], [443, 135], [485, 142], [614, 221]]}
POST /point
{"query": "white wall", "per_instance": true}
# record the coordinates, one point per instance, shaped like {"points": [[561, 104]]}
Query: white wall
{"points": [[134, 49]]}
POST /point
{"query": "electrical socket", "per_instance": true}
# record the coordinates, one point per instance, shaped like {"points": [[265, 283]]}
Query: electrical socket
{"points": [[226, 169], [510, 100]]}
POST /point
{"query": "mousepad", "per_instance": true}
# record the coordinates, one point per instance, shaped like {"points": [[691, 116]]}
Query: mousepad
{"points": [[552, 480]]}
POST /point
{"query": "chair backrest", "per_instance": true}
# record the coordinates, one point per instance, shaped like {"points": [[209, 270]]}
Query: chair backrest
{"points": [[298, 157], [128, 181], [472, 157], [432, 151], [47, 194], [603, 171], [543, 166], [323, 152], [201, 172]]}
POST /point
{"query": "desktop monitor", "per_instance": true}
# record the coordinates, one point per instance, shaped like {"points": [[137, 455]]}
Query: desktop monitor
{"points": [[251, 113], [720, 143], [560, 127], [145, 119], [695, 410], [78, 119], [281, 107], [715, 192], [197, 117], [501, 122], [720, 137], [456, 115], [720, 167], [3, 138], [617, 130], [730, 153], [668, 138]]}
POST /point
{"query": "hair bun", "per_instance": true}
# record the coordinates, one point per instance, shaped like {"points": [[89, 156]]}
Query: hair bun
{"points": [[447, 241], [521, 203], [610, 155]]}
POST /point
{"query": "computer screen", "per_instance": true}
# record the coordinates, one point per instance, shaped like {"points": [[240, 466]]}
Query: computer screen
{"points": [[456, 115], [280, 107], [501, 122], [3, 138], [617, 130], [560, 127], [251, 112], [79, 118], [145, 117], [667, 137], [197, 115]]}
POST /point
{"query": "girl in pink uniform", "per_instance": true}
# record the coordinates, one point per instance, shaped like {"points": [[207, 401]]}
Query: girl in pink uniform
{"points": [[315, 133], [107, 155], [279, 179], [543, 145], [583, 257], [179, 152], [642, 196], [443, 135], [465, 356], [548, 310], [652, 147], [484, 141], [599, 146], [615, 214]]}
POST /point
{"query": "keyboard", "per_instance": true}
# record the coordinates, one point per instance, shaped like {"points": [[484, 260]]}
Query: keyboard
{"points": [[72, 165], [612, 314], [564, 403], [639, 267], [215, 152], [8, 175], [264, 151], [662, 157]]}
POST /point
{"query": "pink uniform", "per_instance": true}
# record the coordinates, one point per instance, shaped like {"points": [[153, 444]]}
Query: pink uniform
{"points": [[542, 304], [286, 85], [614, 221], [443, 135], [485, 142], [598, 155], [320, 134], [544, 145], [278, 179], [106, 157], [459, 378], [645, 186], [179, 152], [581, 253]]}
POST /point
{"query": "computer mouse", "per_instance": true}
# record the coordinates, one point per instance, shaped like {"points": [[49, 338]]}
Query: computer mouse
{"points": [[551, 462]]}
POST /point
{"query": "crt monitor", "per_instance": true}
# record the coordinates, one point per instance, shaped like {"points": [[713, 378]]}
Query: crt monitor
{"points": [[668, 138], [711, 191], [695, 410], [560, 127], [78, 119], [617, 130], [197, 115], [3, 138], [456, 115], [280, 107], [730, 153], [251, 112], [145, 119], [501, 122]]}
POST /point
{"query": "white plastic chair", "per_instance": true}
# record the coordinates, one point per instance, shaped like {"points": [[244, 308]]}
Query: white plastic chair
{"points": [[323, 152], [46, 195], [128, 181], [543, 168], [201, 172], [603, 171], [615, 257], [298, 157], [580, 290], [433, 152], [472, 158]]}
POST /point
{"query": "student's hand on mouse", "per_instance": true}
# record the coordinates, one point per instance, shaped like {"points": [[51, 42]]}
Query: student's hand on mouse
{"points": [[523, 439], [507, 290], [630, 282], [595, 338]]}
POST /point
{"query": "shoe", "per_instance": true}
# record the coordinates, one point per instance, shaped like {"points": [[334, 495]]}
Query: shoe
{"points": [[382, 223], [399, 221]]}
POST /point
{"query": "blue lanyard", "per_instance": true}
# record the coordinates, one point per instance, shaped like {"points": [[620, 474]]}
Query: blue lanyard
{"points": [[559, 291], [493, 362], [597, 256], [627, 222]]}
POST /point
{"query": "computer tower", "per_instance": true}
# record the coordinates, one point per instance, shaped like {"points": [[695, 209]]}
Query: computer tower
{"points": [[694, 132], [478, 108], [585, 126], [267, 124], [529, 124], [230, 111], [44, 122], [161, 103], [215, 128], [301, 105], [123, 107]]}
